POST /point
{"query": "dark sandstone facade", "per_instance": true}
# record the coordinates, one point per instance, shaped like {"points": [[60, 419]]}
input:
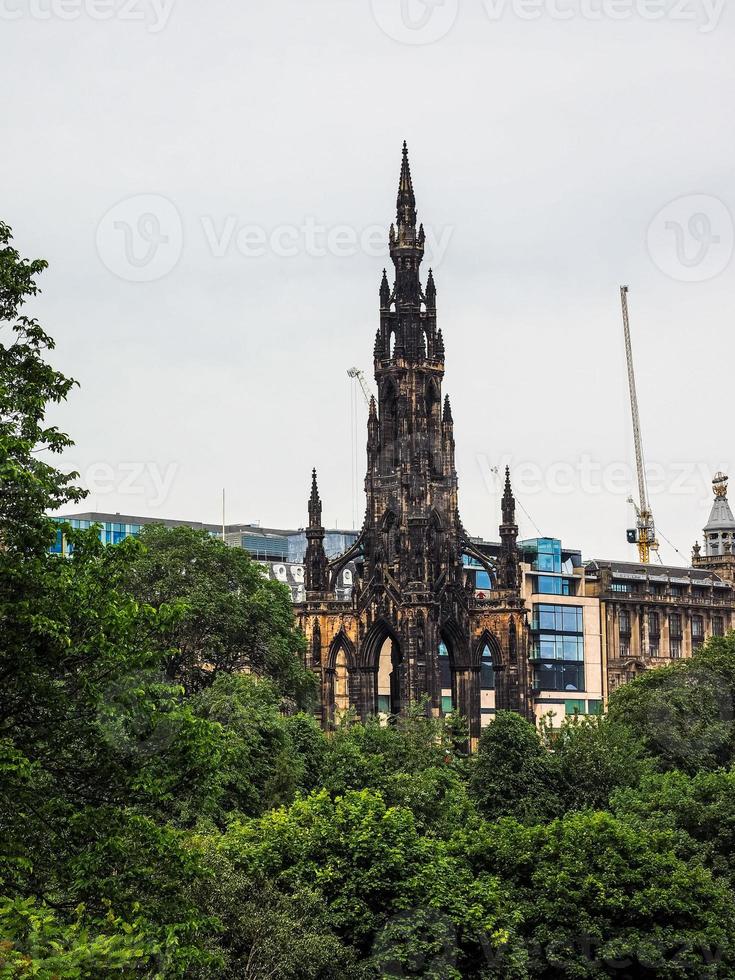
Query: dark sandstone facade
{"points": [[411, 591]]}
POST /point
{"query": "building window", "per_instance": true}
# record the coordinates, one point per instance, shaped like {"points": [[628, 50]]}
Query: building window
{"points": [[620, 587], [718, 626], [551, 585], [574, 706], [624, 646], [697, 629], [445, 670], [558, 647], [675, 624], [653, 647], [675, 648], [560, 619], [559, 676], [447, 706], [594, 707], [487, 671], [654, 627], [624, 621]]}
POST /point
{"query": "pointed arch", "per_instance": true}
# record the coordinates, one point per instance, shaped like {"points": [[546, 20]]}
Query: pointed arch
{"points": [[381, 652], [373, 642], [316, 645], [341, 642], [455, 642], [488, 639]]}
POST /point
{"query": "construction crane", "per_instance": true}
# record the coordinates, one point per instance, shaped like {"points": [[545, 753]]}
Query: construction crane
{"points": [[644, 533], [353, 373]]}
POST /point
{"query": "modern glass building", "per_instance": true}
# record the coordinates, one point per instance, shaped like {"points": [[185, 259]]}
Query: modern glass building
{"points": [[565, 644], [264, 544], [336, 542]]}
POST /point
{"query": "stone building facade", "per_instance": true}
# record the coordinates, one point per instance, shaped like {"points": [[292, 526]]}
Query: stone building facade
{"points": [[413, 602]]}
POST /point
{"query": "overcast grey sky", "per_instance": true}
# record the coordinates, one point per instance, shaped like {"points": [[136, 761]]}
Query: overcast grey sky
{"points": [[206, 179]]}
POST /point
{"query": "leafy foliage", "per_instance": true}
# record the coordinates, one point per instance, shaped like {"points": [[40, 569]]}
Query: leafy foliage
{"points": [[231, 618]]}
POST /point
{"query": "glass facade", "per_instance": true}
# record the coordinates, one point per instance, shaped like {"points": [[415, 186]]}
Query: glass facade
{"points": [[265, 547], [551, 585], [557, 647], [111, 532], [335, 543], [543, 554]]}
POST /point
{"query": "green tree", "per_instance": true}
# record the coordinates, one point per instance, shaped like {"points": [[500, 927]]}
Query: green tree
{"points": [[513, 773], [592, 758], [268, 757], [699, 809], [600, 897], [415, 762], [232, 617], [683, 713], [28, 485], [96, 754], [405, 901]]}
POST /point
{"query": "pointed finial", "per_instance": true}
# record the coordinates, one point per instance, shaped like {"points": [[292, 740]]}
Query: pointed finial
{"points": [[384, 291], [439, 343], [430, 291], [373, 410], [447, 410], [315, 504], [378, 350], [406, 202], [508, 503]]}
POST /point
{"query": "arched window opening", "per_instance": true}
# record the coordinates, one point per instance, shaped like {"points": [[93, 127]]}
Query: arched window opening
{"points": [[341, 683], [390, 662], [487, 686], [445, 675]]}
